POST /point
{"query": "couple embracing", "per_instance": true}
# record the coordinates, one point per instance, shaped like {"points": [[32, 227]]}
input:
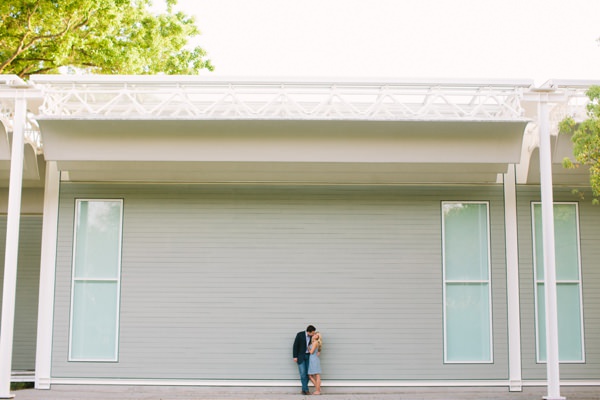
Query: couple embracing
{"points": [[306, 352]]}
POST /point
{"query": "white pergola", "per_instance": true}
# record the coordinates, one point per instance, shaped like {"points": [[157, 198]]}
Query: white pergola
{"points": [[48, 101]]}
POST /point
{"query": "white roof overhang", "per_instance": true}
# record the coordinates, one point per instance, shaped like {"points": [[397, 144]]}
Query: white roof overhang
{"points": [[33, 165], [310, 151], [562, 148], [199, 129], [11, 88], [564, 98]]}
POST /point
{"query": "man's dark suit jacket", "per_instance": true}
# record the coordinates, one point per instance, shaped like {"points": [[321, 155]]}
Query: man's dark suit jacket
{"points": [[299, 349]]}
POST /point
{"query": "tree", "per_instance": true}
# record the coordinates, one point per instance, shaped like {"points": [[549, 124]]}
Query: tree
{"points": [[586, 140], [98, 36]]}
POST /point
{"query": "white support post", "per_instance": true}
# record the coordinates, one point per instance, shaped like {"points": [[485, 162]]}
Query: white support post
{"points": [[512, 281], [12, 247], [47, 270], [552, 361]]}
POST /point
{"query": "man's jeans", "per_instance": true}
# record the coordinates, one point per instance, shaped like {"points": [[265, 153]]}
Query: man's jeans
{"points": [[303, 369]]}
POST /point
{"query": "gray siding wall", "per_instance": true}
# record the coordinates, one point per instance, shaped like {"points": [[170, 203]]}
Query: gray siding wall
{"points": [[589, 230], [217, 280], [28, 280]]}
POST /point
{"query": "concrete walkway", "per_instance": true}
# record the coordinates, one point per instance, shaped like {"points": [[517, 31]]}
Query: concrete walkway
{"points": [[73, 392]]}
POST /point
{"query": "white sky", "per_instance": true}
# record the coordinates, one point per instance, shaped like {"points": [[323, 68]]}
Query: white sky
{"points": [[461, 39]]}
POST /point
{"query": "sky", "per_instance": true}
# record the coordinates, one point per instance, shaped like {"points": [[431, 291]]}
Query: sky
{"points": [[537, 40]]}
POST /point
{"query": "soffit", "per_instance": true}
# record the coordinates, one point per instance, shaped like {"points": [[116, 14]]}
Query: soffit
{"points": [[561, 148], [576, 177], [274, 172]]}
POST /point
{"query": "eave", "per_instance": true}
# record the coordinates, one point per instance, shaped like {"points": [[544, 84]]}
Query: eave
{"points": [[306, 151]]}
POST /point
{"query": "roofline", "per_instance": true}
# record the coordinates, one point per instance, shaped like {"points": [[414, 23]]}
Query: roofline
{"points": [[13, 81], [304, 81], [570, 83]]}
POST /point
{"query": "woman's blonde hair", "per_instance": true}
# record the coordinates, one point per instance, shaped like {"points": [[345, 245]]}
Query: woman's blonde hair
{"points": [[318, 340]]}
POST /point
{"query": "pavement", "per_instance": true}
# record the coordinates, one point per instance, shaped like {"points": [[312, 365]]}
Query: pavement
{"points": [[105, 392]]}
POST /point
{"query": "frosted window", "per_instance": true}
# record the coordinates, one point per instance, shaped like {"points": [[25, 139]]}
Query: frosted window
{"points": [[96, 280], [94, 322], [467, 309], [98, 239], [466, 239], [468, 326], [568, 283]]}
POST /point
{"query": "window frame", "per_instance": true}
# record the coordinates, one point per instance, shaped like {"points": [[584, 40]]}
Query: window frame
{"points": [[116, 280], [536, 282], [478, 281]]}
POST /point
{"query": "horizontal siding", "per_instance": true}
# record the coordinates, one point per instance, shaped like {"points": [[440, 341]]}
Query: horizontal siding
{"points": [[216, 281], [28, 279], [589, 221]]}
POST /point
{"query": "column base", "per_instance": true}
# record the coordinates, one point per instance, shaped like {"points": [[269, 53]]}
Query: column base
{"points": [[515, 386], [42, 383]]}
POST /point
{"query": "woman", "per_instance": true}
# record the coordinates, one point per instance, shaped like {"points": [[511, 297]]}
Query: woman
{"points": [[314, 365]]}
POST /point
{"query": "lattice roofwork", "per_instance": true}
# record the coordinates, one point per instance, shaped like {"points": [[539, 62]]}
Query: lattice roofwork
{"points": [[12, 87], [574, 103], [178, 97], [117, 97]]}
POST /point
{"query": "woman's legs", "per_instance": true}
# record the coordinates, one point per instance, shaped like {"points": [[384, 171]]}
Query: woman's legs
{"points": [[317, 378], [312, 379]]}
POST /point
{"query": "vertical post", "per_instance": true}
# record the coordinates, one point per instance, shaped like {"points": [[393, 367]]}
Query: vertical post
{"points": [[512, 280], [552, 362], [47, 270], [12, 247]]}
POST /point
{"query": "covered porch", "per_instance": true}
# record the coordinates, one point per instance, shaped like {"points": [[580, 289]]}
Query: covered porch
{"points": [[103, 392], [187, 130]]}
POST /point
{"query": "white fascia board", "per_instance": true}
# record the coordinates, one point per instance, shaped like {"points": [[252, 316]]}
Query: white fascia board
{"points": [[12, 81], [144, 118], [304, 81], [570, 83]]}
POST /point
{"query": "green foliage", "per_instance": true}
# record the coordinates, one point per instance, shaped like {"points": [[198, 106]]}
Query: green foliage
{"points": [[21, 385], [586, 140], [99, 36]]}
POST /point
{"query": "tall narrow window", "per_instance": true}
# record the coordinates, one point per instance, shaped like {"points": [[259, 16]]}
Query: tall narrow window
{"points": [[467, 285], [568, 283], [96, 280]]}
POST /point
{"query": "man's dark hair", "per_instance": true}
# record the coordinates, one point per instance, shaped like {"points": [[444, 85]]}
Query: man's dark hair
{"points": [[310, 329]]}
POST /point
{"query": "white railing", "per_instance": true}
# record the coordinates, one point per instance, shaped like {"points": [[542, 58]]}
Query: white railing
{"points": [[189, 98]]}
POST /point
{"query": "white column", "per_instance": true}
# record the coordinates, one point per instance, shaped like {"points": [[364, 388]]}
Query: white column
{"points": [[552, 363], [47, 270], [12, 247], [512, 280]]}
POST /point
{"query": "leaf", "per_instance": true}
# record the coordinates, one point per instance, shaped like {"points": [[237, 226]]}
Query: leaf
{"points": [[586, 140], [97, 36]]}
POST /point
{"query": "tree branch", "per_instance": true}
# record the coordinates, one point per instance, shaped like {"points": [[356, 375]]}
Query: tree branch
{"points": [[22, 47]]}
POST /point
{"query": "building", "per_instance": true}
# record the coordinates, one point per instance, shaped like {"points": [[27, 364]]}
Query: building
{"points": [[182, 229]]}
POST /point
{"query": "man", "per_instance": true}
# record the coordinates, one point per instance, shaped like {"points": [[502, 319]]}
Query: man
{"points": [[301, 355]]}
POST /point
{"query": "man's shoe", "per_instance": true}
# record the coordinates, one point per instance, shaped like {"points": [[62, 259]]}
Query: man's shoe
{"points": [[306, 392]]}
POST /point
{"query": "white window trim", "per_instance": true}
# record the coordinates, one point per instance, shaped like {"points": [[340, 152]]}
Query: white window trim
{"points": [[536, 282], [116, 280], [488, 281]]}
